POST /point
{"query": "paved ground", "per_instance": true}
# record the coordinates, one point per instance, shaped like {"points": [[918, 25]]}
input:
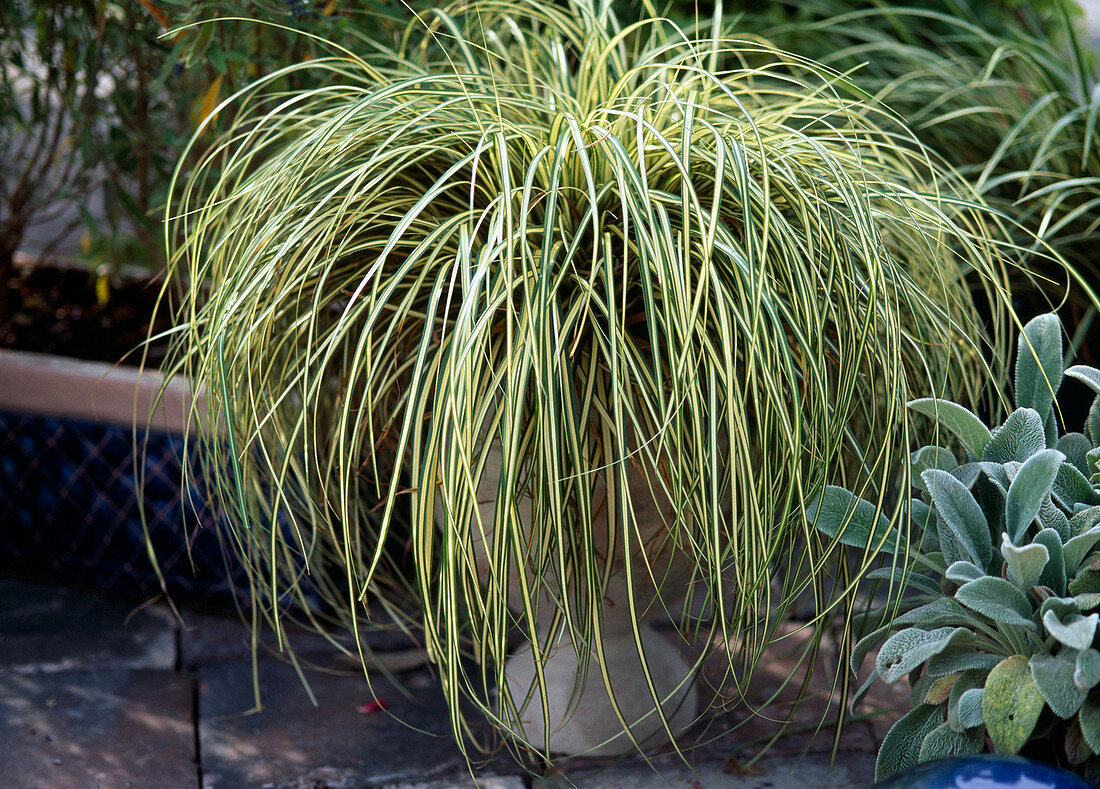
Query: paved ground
{"points": [[96, 693]]}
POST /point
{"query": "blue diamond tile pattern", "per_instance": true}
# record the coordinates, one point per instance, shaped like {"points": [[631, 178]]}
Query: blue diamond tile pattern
{"points": [[69, 512]]}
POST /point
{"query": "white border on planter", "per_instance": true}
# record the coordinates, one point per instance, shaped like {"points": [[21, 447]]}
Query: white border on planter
{"points": [[120, 395]]}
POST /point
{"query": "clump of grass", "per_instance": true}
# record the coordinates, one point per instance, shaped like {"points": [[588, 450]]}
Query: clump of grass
{"points": [[614, 254]]}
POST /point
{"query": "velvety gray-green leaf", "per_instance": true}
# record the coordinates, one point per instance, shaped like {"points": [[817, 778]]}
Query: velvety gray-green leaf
{"points": [[1039, 363], [929, 457], [908, 649], [1090, 720], [970, 708], [943, 742], [998, 600], [1092, 431], [900, 576], [1086, 582], [851, 521], [1011, 704], [997, 475], [1050, 429], [1061, 606], [962, 572], [1076, 448], [1071, 488], [1052, 517], [958, 507], [1053, 676], [1084, 521], [967, 473], [1054, 574], [1025, 564], [956, 659], [900, 747], [1075, 551], [967, 680], [1028, 491], [1021, 436], [1072, 630], [963, 423], [941, 612], [862, 690], [870, 641], [1086, 670], [1089, 376]]}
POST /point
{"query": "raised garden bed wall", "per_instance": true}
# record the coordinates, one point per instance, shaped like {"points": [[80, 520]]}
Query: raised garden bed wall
{"points": [[73, 481]]}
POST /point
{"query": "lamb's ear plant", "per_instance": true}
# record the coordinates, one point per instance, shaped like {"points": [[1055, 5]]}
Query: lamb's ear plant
{"points": [[538, 325], [998, 631]]}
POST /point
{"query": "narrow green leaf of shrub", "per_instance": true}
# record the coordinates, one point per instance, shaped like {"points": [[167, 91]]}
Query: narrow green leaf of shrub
{"points": [[1073, 630], [1025, 564], [851, 521], [957, 506], [1039, 363], [967, 680], [908, 649], [943, 742], [1076, 448], [1089, 376], [1075, 551], [1054, 574], [1086, 670], [1088, 600], [1090, 720], [998, 600], [965, 425], [963, 572], [1011, 704], [1028, 491], [1021, 436], [928, 458], [1053, 676], [1071, 487], [970, 708], [900, 747]]}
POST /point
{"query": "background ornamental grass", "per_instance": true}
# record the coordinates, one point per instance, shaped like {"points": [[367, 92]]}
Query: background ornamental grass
{"points": [[609, 250]]}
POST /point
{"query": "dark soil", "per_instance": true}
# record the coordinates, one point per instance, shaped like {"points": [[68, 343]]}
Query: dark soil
{"points": [[55, 309]]}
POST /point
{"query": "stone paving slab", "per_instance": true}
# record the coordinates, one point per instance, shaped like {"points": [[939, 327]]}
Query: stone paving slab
{"points": [[812, 770], [47, 628], [96, 692], [336, 744], [103, 729]]}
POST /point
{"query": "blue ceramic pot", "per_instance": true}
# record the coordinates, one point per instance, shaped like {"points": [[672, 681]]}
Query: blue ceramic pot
{"points": [[986, 771]]}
